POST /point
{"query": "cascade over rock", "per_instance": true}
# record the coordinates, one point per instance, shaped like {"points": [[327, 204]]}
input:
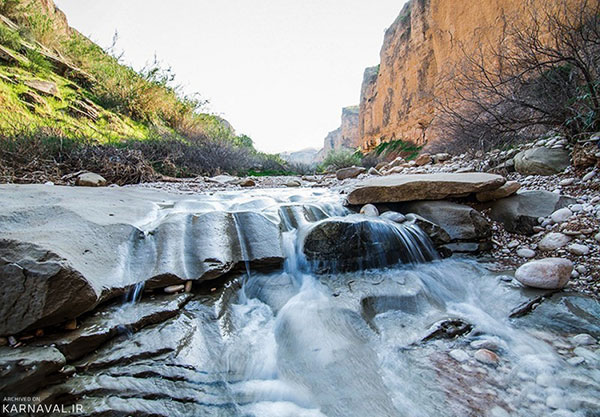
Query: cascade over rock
{"points": [[63, 250]]}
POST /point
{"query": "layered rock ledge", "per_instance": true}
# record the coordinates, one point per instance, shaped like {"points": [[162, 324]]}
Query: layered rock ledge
{"points": [[63, 250]]}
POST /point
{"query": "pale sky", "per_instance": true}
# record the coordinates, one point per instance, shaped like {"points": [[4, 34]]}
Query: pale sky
{"points": [[279, 70]]}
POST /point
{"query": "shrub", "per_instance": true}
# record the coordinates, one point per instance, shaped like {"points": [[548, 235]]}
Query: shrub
{"points": [[9, 38], [338, 159]]}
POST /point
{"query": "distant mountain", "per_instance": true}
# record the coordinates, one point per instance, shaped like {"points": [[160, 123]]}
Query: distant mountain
{"points": [[305, 156]]}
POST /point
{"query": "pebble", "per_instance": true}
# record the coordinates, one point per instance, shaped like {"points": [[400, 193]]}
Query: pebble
{"points": [[12, 341], [459, 355], [487, 357], [369, 210], [597, 237], [579, 250], [588, 176], [3, 341], [583, 339], [561, 215], [567, 181], [492, 343], [172, 289], [188, 286], [526, 253], [514, 243], [575, 208]]}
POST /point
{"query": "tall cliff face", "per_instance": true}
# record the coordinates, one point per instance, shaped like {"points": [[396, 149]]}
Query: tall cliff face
{"points": [[344, 137], [426, 41]]}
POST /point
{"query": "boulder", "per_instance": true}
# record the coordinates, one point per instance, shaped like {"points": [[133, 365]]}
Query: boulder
{"points": [[547, 274], [459, 221], [63, 250], [89, 179], [541, 161], [520, 213], [399, 188], [355, 243], [23, 370], [506, 190], [351, 172]]}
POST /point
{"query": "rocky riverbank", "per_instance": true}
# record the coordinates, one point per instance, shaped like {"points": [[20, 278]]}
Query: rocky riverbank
{"points": [[118, 298]]}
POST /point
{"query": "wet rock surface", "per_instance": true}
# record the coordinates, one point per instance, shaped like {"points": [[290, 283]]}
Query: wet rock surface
{"points": [[350, 244], [64, 250]]}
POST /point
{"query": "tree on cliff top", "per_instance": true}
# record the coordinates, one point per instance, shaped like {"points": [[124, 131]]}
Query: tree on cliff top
{"points": [[543, 73]]}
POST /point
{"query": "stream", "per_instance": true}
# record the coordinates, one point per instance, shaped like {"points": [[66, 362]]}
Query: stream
{"points": [[399, 340]]}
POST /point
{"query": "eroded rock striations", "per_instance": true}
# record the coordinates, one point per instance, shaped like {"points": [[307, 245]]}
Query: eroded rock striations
{"points": [[64, 250]]}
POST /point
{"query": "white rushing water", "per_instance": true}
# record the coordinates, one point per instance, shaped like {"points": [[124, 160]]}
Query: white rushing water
{"points": [[343, 345], [371, 343]]}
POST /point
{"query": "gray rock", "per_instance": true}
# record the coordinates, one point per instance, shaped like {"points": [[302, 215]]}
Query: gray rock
{"points": [[542, 161], [437, 235], [63, 250], [351, 172], [583, 339], [561, 215], [578, 249], [401, 188], [109, 321], [459, 355], [459, 221], [526, 253], [506, 190], [374, 171], [369, 210], [89, 179], [520, 212], [393, 216], [24, 370], [553, 241], [350, 244], [549, 273]]}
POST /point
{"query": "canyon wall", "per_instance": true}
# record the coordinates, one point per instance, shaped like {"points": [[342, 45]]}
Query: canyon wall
{"points": [[344, 137], [427, 40]]}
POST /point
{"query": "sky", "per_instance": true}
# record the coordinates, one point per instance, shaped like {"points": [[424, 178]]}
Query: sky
{"points": [[279, 71]]}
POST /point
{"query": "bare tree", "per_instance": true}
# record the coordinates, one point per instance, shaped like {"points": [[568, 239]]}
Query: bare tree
{"points": [[541, 74]]}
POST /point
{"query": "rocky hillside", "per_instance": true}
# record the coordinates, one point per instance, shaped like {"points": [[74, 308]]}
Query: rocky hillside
{"points": [[424, 43], [66, 105], [344, 137]]}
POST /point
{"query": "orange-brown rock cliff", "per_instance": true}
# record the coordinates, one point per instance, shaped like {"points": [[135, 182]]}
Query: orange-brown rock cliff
{"points": [[425, 42]]}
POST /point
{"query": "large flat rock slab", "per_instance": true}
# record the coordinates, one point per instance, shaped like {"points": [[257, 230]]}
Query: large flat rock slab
{"points": [[63, 250], [400, 188]]}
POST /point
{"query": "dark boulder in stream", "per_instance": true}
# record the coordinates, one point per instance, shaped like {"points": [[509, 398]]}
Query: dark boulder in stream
{"points": [[354, 243]]}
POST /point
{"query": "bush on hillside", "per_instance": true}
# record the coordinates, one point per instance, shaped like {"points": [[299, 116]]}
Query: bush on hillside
{"points": [[338, 159]]}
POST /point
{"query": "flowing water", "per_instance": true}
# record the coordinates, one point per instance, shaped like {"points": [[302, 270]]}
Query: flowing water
{"points": [[293, 343]]}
